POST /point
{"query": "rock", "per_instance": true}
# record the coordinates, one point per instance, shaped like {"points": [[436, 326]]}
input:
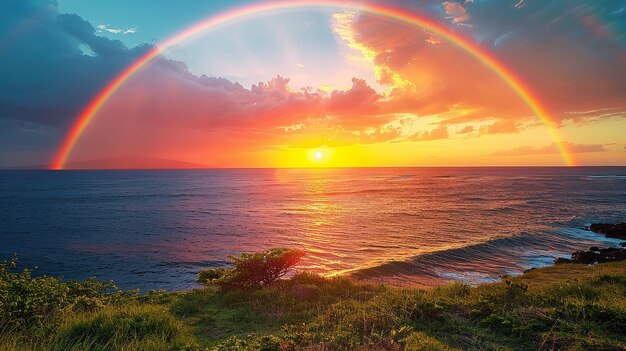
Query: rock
{"points": [[561, 260], [585, 257], [595, 255], [617, 231]]}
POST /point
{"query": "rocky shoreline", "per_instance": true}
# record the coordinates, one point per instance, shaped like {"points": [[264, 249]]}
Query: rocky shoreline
{"points": [[616, 231], [600, 255]]}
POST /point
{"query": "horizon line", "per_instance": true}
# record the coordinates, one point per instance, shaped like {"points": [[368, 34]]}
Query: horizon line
{"points": [[43, 168]]}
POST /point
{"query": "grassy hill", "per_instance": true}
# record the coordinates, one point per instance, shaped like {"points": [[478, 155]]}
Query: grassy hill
{"points": [[569, 307]]}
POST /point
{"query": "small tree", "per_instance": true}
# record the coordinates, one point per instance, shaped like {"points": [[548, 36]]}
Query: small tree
{"points": [[252, 270]]}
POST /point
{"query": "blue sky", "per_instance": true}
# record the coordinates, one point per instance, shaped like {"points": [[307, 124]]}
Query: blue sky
{"points": [[297, 44], [154, 20]]}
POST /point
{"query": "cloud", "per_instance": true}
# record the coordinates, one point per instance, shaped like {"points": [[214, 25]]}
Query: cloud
{"points": [[105, 28], [456, 12], [466, 130], [426, 79], [551, 149], [501, 126], [51, 65], [44, 72], [520, 4], [441, 132], [571, 55], [268, 112]]}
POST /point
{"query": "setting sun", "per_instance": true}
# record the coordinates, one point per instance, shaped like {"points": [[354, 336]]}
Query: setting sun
{"points": [[319, 156]]}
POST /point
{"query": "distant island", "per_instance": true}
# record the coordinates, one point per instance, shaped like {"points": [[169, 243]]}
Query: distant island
{"points": [[126, 162]]}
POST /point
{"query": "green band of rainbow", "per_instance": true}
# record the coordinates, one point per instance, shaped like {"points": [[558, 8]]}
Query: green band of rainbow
{"points": [[401, 15]]}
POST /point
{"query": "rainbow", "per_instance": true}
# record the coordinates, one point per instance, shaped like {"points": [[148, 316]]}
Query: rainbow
{"points": [[400, 15]]}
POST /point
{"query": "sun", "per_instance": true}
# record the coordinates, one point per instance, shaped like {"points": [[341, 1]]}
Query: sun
{"points": [[318, 156]]}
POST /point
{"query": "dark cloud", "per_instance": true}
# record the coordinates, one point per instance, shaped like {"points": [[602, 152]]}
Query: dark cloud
{"points": [[47, 75], [571, 52], [51, 65]]}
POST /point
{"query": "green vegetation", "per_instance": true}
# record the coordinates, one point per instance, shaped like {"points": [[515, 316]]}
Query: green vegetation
{"points": [[570, 307], [252, 270]]}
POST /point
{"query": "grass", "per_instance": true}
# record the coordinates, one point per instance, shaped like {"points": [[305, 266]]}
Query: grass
{"points": [[569, 307], [559, 273]]}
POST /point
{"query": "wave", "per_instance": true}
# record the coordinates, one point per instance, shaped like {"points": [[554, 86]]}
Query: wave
{"points": [[607, 176], [433, 263], [486, 261]]}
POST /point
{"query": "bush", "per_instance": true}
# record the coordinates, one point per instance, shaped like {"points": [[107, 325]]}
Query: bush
{"points": [[87, 304], [252, 270], [30, 301], [26, 300]]}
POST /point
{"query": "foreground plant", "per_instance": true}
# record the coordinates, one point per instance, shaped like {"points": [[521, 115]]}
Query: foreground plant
{"points": [[252, 270], [564, 307]]}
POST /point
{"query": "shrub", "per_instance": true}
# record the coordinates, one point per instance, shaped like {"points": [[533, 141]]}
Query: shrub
{"points": [[87, 304], [213, 275], [252, 270], [27, 300]]}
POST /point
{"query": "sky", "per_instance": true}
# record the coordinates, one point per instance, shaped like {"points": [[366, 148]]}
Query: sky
{"points": [[329, 86]]}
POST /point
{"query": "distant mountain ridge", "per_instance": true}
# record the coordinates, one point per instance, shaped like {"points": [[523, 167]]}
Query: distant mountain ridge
{"points": [[130, 162]]}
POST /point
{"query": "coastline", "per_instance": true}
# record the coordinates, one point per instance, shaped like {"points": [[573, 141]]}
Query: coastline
{"points": [[410, 273], [489, 221], [563, 306]]}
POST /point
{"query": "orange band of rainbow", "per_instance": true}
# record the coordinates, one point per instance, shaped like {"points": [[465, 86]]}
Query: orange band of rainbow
{"points": [[400, 15]]}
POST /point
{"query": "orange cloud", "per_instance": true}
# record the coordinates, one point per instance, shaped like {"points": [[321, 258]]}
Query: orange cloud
{"points": [[435, 78], [441, 132], [456, 12]]}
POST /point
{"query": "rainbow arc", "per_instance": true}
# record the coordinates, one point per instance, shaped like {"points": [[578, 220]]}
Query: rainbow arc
{"points": [[400, 15]]}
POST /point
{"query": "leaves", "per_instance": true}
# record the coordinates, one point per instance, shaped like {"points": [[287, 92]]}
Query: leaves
{"points": [[27, 300], [252, 270]]}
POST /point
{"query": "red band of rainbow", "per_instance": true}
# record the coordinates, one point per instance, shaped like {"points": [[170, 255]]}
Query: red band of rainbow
{"points": [[401, 15]]}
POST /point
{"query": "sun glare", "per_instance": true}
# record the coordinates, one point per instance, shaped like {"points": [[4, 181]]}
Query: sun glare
{"points": [[318, 156]]}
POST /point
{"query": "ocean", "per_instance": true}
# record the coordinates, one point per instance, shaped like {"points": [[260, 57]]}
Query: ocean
{"points": [[155, 229]]}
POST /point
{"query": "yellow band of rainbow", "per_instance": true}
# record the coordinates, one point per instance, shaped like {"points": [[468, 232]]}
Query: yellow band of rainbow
{"points": [[401, 15]]}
